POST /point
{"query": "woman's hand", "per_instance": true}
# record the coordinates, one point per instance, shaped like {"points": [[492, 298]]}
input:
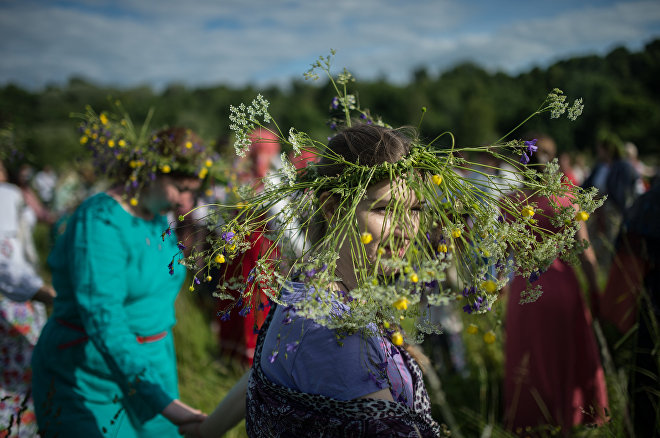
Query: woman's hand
{"points": [[180, 413]]}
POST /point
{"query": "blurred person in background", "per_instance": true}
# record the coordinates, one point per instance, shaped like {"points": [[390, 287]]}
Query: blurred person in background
{"points": [[631, 301], [614, 176], [553, 372], [105, 363], [44, 183], [23, 294]]}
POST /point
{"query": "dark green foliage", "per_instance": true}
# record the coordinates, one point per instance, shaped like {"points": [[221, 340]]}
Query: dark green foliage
{"points": [[620, 91]]}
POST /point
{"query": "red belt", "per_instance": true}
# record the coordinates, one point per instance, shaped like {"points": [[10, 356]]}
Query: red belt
{"points": [[140, 339]]}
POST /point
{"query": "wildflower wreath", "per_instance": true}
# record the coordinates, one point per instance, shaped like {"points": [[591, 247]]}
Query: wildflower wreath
{"points": [[125, 154], [471, 227]]}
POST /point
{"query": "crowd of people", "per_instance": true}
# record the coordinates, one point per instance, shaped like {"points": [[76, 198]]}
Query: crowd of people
{"points": [[104, 364]]}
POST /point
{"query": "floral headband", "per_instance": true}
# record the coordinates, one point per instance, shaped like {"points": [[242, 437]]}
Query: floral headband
{"points": [[464, 225], [134, 157]]}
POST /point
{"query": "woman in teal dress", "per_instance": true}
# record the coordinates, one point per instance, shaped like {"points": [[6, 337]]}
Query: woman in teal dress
{"points": [[105, 365]]}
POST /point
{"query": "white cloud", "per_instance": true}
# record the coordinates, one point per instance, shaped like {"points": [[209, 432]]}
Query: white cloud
{"points": [[206, 41]]}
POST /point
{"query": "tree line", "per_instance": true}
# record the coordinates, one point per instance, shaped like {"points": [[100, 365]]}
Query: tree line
{"points": [[620, 91]]}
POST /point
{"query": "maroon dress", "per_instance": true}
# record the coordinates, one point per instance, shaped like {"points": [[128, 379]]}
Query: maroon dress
{"points": [[553, 372]]}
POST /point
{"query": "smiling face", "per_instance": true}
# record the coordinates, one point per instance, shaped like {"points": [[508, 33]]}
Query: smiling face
{"points": [[390, 214]]}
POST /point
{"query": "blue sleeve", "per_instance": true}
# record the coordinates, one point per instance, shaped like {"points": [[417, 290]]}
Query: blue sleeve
{"points": [[99, 256], [344, 369]]}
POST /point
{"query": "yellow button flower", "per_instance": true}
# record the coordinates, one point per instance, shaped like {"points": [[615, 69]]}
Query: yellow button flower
{"points": [[401, 303], [191, 288], [111, 143], [414, 278], [527, 211], [472, 329], [443, 247], [165, 168], [103, 118], [189, 145], [202, 173], [397, 339], [84, 139], [437, 179], [121, 143], [208, 162], [489, 286], [133, 202], [386, 324], [456, 233], [489, 337], [582, 216], [366, 237], [220, 259], [209, 278]]}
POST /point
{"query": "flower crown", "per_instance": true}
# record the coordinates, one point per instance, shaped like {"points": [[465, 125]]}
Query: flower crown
{"points": [[468, 225], [124, 154]]}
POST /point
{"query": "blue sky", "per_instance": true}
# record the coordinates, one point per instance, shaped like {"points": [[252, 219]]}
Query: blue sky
{"points": [[235, 42]]}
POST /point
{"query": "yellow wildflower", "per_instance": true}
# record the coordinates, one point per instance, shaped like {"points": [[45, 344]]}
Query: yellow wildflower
{"points": [[397, 339], [191, 288], [582, 216], [220, 259], [380, 251], [209, 278], [111, 143], [489, 337], [527, 211], [202, 173], [472, 329], [443, 247], [366, 237], [374, 281], [189, 144], [209, 192], [489, 286], [414, 278], [165, 168], [401, 303], [437, 179], [456, 233], [133, 202], [103, 118], [208, 162], [84, 139], [121, 143], [386, 324]]}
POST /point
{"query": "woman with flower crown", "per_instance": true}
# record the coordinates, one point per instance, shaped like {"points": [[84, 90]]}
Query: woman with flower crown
{"points": [[105, 364], [307, 377]]}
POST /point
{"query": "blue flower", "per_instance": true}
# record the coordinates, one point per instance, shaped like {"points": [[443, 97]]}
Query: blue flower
{"points": [[171, 267], [224, 316], [531, 146], [273, 356], [228, 236], [292, 347], [467, 309], [524, 159], [244, 311], [181, 246], [335, 102], [196, 280]]}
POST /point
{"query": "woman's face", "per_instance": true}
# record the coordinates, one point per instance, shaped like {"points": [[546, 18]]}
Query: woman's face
{"points": [[383, 202], [171, 194]]}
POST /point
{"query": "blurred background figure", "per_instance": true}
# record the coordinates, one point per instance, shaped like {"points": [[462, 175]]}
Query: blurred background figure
{"points": [[613, 175], [44, 183], [645, 172], [631, 302], [553, 375], [566, 167], [238, 330], [23, 294]]}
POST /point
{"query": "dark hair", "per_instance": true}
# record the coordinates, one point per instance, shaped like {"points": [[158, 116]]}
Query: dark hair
{"points": [[366, 144]]}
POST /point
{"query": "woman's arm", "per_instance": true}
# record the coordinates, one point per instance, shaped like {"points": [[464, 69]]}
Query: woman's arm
{"points": [[226, 415]]}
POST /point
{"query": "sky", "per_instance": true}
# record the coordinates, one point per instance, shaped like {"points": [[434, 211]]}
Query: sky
{"points": [[199, 43]]}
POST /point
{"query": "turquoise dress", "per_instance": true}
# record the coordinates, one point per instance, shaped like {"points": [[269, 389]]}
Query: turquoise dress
{"points": [[104, 365]]}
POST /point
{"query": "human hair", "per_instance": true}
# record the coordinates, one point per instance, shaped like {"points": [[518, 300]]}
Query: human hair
{"points": [[364, 144], [182, 146]]}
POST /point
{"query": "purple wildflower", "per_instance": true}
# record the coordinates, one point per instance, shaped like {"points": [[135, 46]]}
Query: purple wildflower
{"points": [[171, 267], [181, 246], [228, 236], [363, 116], [245, 311], [467, 309], [287, 320], [524, 159], [534, 276], [531, 146], [196, 280], [333, 126], [273, 356], [224, 316], [335, 102], [292, 347]]}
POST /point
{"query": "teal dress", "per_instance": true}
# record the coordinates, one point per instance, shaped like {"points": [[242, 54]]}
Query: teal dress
{"points": [[104, 365]]}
